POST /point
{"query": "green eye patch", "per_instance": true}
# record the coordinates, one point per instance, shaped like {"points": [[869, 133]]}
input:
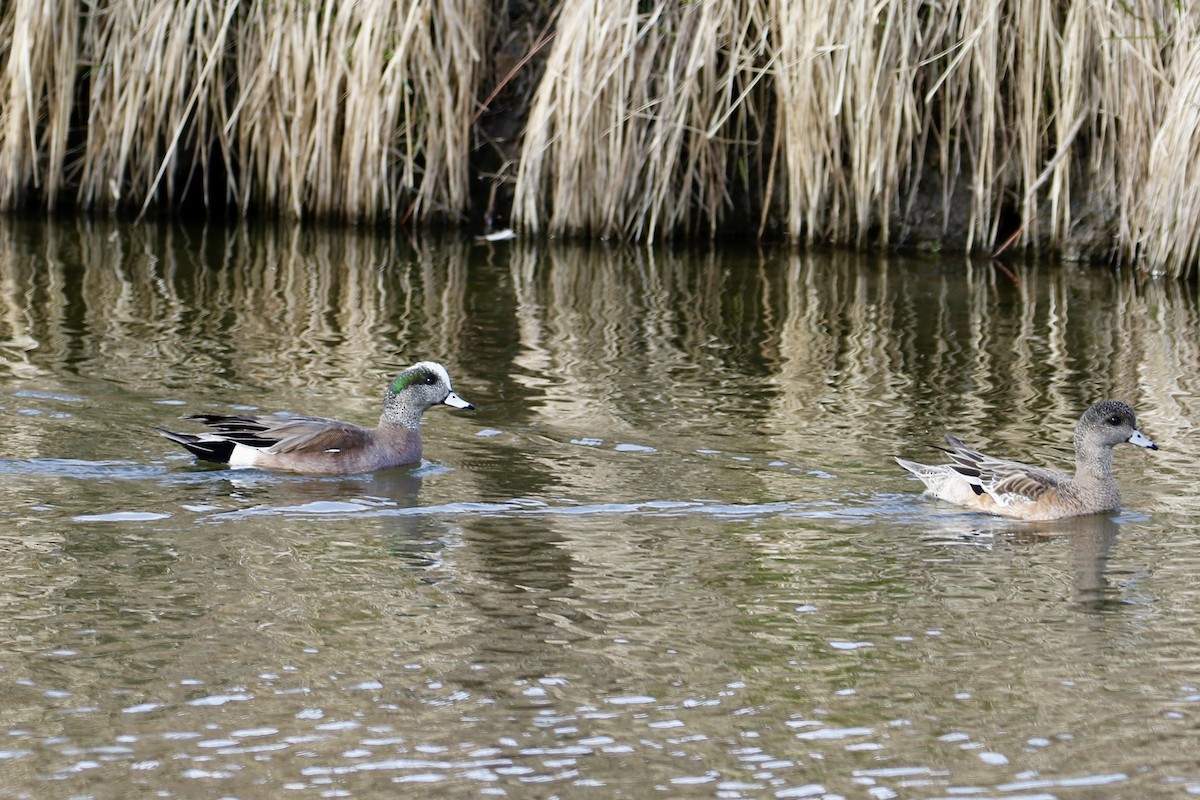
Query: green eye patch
{"points": [[411, 376]]}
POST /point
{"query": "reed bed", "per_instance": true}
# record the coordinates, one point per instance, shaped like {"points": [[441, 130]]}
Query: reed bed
{"points": [[356, 111], [1057, 126], [639, 117], [1064, 127]]}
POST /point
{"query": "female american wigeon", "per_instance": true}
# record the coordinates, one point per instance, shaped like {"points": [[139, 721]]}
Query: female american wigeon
{"points": [[1020, 491], [327, 446]]}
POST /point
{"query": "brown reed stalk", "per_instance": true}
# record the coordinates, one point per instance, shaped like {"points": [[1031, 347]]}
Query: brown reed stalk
{"points": [[639, 116], [38, 51], [1045, 109], [348, 110], [359, 110], [153, 83], [1166, 217]]}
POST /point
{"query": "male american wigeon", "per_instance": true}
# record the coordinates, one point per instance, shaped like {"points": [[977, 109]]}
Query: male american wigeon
{"points": [[319, 445], [1020, 491]]}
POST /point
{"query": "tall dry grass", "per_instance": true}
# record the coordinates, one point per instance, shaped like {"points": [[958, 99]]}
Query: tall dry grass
{"points": [[154, 82], [642, 117], [1066, 123], [354, 111], [1063, 124], [39, 59], [1164, 218]]}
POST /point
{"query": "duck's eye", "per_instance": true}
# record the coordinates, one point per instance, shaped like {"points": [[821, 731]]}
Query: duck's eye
{"points": [[430, 380], [1113, 419]]}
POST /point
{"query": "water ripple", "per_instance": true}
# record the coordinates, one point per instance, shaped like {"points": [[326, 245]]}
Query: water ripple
{"points": [[77, 468], [359, 508]]}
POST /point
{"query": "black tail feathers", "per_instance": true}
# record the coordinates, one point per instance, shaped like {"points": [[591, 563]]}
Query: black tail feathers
{"points": [[207, 449]]}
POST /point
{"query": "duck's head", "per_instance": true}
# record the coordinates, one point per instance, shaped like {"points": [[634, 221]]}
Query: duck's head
{"points": [[1110, 423], [422, 385]]}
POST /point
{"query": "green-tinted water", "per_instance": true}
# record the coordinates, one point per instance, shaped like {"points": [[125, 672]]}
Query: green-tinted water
{"points": [[669, 555]]}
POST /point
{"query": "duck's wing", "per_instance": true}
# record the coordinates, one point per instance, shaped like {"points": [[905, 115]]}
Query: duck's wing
{"points": [[287, 434], [1007, 482]]}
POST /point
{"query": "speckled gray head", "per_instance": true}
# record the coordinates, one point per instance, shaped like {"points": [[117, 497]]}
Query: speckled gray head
{"points": [[1114, 422], [422, 385]]}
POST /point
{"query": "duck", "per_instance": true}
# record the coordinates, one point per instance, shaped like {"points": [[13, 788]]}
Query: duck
{"points": [[317, 445], [1021, 491]]}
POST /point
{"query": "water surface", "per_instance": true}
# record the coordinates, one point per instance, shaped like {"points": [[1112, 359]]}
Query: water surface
{"points": [[669, 554]]}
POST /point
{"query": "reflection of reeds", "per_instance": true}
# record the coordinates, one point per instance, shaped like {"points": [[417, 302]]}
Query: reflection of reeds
{"points": [[331, 312], [784, 352], [297, 307], [873, 349], [895, 346], [597, 332], [862, 357]]}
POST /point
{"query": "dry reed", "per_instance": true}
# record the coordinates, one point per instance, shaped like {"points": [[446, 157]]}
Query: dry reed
{"points": [[358, 110], [1066, 124], [354, 111], [1165, 218], [38, 53], [154, 98], [1053, 112], [639, 116]]}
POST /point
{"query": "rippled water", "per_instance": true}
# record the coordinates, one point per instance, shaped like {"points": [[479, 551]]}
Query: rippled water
{"points": [[669, 554]]}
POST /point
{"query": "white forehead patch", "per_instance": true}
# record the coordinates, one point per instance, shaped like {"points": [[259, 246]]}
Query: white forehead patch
{"points": [[435, 368]]}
